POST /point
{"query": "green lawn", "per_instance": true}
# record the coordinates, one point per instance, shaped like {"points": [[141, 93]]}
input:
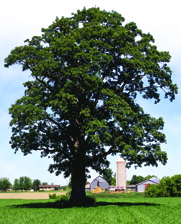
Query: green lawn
{"points": [[114, 208]]}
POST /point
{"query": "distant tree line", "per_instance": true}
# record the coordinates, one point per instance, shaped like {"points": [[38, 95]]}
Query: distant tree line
{"points": [[23, 183]]}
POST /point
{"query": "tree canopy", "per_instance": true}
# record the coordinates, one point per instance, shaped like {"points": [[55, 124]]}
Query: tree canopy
{"points": [[88, 70], [109, 176], [36, 184], [24, 183], [136, 179], [4, 184]]}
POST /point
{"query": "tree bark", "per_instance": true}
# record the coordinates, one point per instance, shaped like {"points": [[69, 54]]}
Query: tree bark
{"points": [[78, 180]]}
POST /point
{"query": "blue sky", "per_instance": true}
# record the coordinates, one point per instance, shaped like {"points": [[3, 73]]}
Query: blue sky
{"points": [[20, 20]]}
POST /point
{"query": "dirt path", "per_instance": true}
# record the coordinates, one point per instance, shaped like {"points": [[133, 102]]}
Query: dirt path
{"points": [[29, 195]]}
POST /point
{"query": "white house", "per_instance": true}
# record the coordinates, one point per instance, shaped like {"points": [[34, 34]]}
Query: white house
{"points": [[142, 186]]}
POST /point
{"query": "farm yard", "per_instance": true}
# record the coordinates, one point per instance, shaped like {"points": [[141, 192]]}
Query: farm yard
{"points": [[109, 208]]}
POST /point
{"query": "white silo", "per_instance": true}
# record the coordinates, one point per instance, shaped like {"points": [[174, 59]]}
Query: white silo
{"points": [[121, 173]]}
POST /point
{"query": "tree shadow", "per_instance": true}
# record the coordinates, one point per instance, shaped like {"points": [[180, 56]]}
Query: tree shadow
{"points": [[96, 204]]}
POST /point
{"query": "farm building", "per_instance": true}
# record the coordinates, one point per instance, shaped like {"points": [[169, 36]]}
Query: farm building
{"points": [[48, 187], [99, 181], [112, 188], [130, 187], [142, 186], [87, 186], [121, 173]]}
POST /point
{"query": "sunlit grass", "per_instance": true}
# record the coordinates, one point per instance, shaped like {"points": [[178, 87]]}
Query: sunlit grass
{"points": [[109, 208]]}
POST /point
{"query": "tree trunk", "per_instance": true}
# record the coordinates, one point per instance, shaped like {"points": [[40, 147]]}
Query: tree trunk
{"points": [[78, 181]]}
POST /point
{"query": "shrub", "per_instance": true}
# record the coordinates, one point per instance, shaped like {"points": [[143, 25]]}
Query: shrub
{"points": [[68, 193], [53, 196], [62, 197], [64, 188], [63, 201], [168, 187], [90, 200], [176, 179], [151, 191]]}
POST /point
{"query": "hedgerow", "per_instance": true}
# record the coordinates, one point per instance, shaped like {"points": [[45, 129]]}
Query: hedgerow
{"points": [[168, 187]]}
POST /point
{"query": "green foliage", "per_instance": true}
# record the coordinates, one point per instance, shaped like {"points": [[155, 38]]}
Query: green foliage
{"points": [[168, 187], [176, 179], [113, 182], [52, 196], [63, 197], [109, 176], [16, 185], [127, 182], [4, 184], [62, 200], [149, 177], [36, 184], [65, 188], [24, 183], [68, 193], [27, 183], [136, 179], [44, 183], [81, 105]]}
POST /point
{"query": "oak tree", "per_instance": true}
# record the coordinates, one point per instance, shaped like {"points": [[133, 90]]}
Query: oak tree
{"points": [[81, 106], [4, 184], [36, 184], [16, 185]]}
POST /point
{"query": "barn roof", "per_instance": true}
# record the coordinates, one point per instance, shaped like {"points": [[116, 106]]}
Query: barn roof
{"points": [[100, 178]]}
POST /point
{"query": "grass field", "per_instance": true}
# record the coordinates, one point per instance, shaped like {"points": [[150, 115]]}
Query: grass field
{"points": [[109, 208]]}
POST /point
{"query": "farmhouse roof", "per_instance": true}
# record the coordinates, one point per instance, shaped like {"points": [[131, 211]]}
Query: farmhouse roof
{"points": [[155, 179], [49, 185], [155, 182]]}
